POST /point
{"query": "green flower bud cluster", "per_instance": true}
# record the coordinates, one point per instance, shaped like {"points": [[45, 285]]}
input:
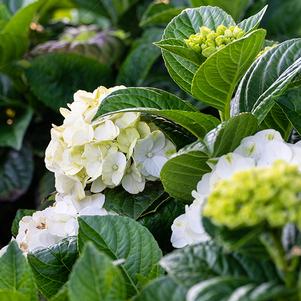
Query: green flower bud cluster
{"points": [[266, 49], [262, 195], [208, 41]]}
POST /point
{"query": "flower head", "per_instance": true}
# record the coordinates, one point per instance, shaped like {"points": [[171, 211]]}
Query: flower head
{"points": [[208, 41], [269, 195]]}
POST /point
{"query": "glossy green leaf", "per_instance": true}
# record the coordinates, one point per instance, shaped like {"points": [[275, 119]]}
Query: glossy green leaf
{"points": [[54, 78], [62, 294], [95, 277], [11, 295], [51, 266], [182, 70], [16, 169], [162, 289], [142, 98], [158, 14], [228, 135], [267, 79], [181, 173], [122, 238], [290, 103], [15, 274], [215, 81], [133, 205]]}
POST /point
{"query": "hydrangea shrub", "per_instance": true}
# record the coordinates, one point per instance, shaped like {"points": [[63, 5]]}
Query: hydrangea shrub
{"points": [[230, 196]]}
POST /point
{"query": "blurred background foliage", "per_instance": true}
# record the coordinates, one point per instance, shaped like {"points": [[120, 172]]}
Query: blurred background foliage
{"points": [[51, 48]]}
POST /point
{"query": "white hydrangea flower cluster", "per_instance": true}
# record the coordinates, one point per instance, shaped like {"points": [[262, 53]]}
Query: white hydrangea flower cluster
{"points": [[49, 226], [260, 150], [109, 151]]}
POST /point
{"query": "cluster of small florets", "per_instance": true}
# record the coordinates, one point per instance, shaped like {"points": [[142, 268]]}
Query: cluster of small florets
{"points": [[254, 152], [91, 155], [266, 195], [208, 41]]}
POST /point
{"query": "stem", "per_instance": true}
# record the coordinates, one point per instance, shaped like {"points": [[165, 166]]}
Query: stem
{"points": [[272, 242], [221, 115]]}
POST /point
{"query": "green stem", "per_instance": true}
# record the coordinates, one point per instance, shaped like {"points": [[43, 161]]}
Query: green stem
{"points": [[272, 242], [221, 115]]}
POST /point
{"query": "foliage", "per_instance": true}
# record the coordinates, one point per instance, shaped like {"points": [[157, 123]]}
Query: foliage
{"points": [[213, 84]]}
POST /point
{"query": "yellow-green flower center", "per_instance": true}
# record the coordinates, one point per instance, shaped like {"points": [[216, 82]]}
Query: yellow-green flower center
{"points": [[208, 41], [266, 195]]}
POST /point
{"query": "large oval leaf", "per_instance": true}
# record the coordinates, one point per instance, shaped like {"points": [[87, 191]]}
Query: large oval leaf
{"points": [[267, 79], [123, 238], [216, 79]]}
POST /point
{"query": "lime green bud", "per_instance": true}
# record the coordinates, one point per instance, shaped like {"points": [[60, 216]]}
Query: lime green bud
{"points": [[266, 49], [220, 30], [262, 195], [208, 41]]}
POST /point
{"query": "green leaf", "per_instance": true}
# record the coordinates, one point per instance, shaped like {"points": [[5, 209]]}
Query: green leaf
{"points": [[16, 169], [252, 22], [15, 273], [158, 14], [4, 15], [233, 289], [162, 289], [62, 294], [14, 38], [19, 215], [95, 277], [142, 98], [267, 79], [10, 295], [182, 70], [207, 260], [179, 48], [235, 8], [51, 266], [137, 65], [278, 119], [122, 238], [216, 79], [181, 174], [228, 135], [54, 78], [133, 205], [11, 135], [290, 103], [196, 123]]}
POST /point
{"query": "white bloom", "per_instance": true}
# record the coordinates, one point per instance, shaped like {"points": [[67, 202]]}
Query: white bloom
{"points": [[133, 182], [187, 229], [113, 168], [106, 131], [92, 160], [152, 152], [125, 120], [70, 185], [98, 185], [77, 131], [127, 140]]}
